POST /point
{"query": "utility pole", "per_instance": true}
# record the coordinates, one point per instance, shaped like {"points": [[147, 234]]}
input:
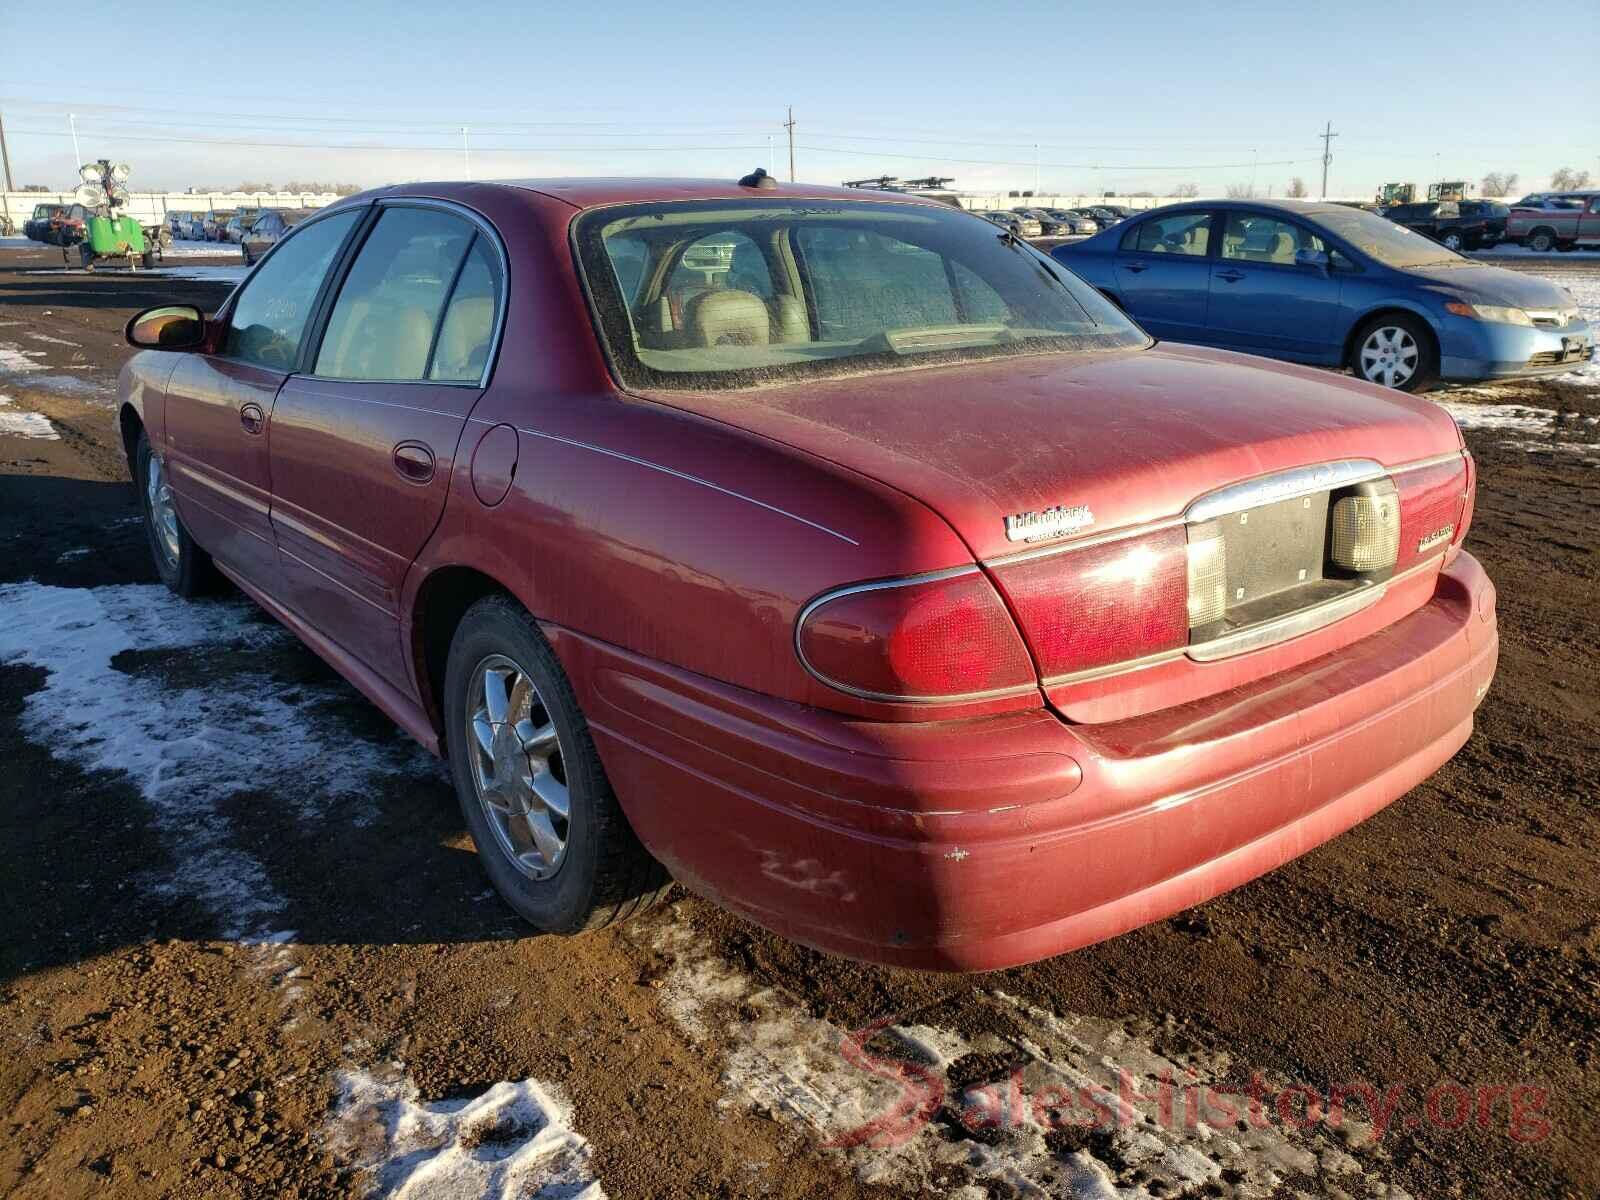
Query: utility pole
{"points": [[1327, 155], [5, 155], [466, 153], [72, 122], [789, 125], [1036, 170]]}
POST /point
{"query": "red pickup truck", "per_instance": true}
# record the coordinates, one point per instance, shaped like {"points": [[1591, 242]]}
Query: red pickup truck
{"points": [[1555, 221]]}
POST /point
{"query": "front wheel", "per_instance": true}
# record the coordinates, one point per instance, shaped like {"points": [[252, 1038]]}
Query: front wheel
{"points": [[182, 565], [1396, 352], [1452, 241], [548, 828], [147, 259]]}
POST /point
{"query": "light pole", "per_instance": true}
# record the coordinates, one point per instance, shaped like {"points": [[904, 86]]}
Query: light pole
{"points": [[466, 153], [72, 123]]}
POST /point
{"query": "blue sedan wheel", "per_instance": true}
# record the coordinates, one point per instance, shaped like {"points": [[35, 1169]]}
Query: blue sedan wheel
{"points": [[1395, 352]]}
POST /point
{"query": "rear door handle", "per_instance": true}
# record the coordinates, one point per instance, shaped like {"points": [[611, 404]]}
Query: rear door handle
{"points": [[414, 461], [1231, 276], [252, 418], [1137, 267]]}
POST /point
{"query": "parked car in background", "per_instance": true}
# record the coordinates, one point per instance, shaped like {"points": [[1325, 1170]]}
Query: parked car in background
{"points": [[58, 224], [905, 599], [1555, 221], [1023, 227], [1081, 224], [1049, 226], [1110, 214], [215, 223], [236, 226], [268, 229], [1334, 286], [1445, 221], [194, 229], [1493, 214], [177, 221], [37, 227]]}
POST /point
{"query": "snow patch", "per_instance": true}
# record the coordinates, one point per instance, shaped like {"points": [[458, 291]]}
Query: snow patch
{"points": [[15, 360], [926, 1109], [188, 749], [25, 424], [54, 341], [514, 1140]]}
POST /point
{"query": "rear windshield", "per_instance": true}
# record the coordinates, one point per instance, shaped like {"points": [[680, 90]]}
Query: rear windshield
{"points": [[738, 293], [1391, 244]]}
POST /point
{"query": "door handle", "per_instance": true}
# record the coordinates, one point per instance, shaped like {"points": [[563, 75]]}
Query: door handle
{"points": [[1231, 276], [1137, 267], [252, 418], [414, 462]]}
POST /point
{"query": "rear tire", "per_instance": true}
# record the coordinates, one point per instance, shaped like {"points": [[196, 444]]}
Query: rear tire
{"points": [[1541, 241], [183, 566], [516, 759], [147, 259], [1452, 241], [1396, 351]]}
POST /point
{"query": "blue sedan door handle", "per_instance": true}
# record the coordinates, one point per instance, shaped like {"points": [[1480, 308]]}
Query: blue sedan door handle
{"points": [[1136, 267], [1231, 276]]}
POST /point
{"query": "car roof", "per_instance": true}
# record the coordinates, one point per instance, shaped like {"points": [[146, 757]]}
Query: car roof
{"points": [[601, 191]]}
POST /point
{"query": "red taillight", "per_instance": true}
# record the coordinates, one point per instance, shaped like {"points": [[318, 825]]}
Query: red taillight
{"points": [[1091, 607], [1433, 510], [1471, 490], [932, 638]]}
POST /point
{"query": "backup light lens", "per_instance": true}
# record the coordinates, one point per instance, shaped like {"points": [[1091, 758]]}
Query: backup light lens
{"points": [[1366, 532], [915, 639], [1208, 574]]}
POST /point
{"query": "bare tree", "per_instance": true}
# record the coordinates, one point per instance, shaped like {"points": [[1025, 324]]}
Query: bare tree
{"points": [[1298, 188], [1186, 191], [1569, 180], [1500, 183], [1241, 191]]}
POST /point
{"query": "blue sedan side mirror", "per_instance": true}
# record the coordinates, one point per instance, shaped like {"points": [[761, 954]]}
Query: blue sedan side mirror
{"points": [[1311, 258]]}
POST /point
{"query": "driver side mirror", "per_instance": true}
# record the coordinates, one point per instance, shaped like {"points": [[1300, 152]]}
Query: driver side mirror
{"points": [[170, 327], [1312, 258]]}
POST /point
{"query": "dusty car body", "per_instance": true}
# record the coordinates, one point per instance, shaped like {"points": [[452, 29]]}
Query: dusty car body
{"points": [[925, 622]]}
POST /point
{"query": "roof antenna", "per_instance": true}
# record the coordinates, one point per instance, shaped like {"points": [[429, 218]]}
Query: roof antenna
{"points": [[759, 179]]}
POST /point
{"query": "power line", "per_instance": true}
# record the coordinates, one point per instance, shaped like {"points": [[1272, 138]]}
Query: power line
{"points": [[1088, 166], [130, 137]]}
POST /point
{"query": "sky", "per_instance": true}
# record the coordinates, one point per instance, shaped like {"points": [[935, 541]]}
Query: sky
{"points": [[1102, 96]]}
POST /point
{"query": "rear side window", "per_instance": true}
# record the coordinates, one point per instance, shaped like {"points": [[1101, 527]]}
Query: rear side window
{"points": [[269, 318], [462, 349], [391, 302], [1255, 237], [1182, 233]]}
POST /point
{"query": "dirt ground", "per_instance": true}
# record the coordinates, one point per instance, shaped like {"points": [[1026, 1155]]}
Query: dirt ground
{"points": [[227, 970]]}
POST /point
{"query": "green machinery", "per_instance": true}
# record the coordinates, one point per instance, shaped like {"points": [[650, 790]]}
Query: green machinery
{"points": [[107, 232], [1397, 193], [1454, 189]]}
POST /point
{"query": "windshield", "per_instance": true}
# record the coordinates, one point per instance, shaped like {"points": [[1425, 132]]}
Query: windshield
{"points": [[1392, 245], [736, 293]]}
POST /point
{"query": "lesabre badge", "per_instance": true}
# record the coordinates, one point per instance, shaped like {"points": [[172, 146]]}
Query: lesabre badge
{"points": [[1048, 523]]}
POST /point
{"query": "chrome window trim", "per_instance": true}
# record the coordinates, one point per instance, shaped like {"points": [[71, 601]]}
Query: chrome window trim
{"points": [[484, 227], [852, 589]]}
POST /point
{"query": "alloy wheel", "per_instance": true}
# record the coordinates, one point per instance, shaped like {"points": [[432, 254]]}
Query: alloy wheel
{"points": [[1452, 241], [517, 767], [1389, 356], [163, 513]]}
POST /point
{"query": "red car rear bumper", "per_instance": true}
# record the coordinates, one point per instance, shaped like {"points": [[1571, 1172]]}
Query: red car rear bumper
{"points": [[972, 845]]}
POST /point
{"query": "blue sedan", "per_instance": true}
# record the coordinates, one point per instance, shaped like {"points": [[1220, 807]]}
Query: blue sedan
{"points": [[1332, 286]]}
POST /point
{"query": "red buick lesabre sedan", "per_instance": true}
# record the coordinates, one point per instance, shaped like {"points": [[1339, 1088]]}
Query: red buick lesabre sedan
{"points": [[835, 553]]}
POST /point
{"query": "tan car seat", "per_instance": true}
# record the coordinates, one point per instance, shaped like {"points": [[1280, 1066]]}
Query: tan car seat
{"points": [[464, 341], [727, 319], [377, 342]]}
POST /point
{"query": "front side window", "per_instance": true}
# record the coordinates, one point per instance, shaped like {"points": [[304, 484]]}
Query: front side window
{"points": [[1181, 233], [737, 293], [1256, 237], [382, 324], [269, 318]]}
